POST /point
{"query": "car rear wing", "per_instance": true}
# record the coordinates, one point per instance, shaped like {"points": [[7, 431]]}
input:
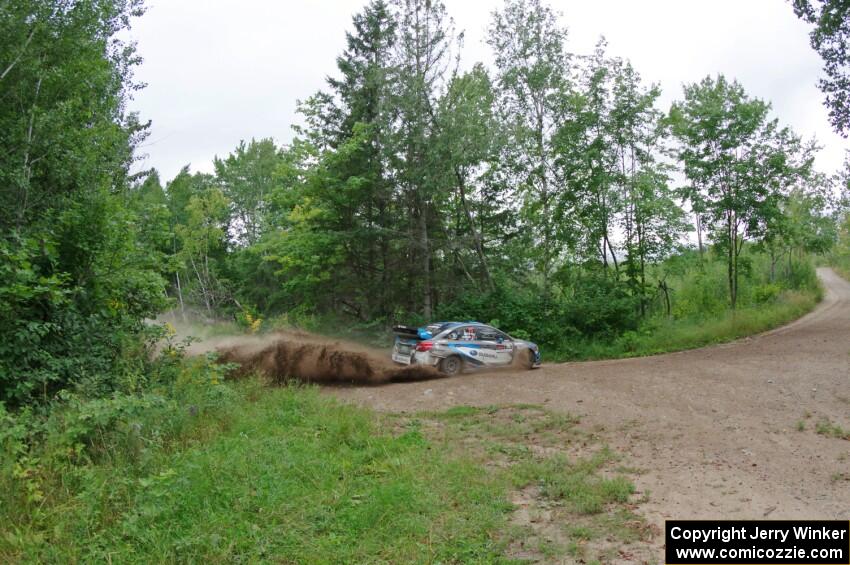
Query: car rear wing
{"points": [[406, 332]]}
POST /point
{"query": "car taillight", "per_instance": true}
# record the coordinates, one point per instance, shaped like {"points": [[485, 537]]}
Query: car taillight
{"points": [[424, 346]]}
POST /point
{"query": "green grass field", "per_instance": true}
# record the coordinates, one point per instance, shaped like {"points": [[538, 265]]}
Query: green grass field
{"points": [[290, 475]]}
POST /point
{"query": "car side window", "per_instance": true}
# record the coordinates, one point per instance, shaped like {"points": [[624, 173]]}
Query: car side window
{"points": [[490, 334]]}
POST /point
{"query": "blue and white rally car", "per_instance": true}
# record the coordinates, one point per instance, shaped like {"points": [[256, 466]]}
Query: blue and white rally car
{"points": [[453, 347]]}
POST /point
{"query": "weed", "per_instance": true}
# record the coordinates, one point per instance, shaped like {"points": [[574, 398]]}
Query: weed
{"points": [[827, 428], [575, 483]]}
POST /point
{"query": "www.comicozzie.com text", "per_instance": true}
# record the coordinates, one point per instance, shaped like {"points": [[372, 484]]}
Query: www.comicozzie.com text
{"points": [[726, 535]]}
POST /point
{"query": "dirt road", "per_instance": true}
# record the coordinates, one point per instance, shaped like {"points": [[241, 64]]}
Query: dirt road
{"points": [[714, 429]]}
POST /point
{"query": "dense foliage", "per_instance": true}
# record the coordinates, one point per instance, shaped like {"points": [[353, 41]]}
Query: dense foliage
{"points": [[74, 282], [541, 193]]}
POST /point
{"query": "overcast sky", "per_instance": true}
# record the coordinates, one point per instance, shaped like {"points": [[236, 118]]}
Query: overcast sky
{"points": [[219, 71]]}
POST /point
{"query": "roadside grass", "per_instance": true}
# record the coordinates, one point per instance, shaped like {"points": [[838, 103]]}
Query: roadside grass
{"points": [[290, 475], [575, 499], [665, 336]]}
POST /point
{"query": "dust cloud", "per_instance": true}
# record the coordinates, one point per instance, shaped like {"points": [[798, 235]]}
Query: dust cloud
{"points": [[294, 356]]}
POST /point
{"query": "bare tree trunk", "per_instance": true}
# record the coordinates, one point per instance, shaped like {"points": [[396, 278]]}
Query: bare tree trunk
{"points": [[19, 55], [544, 195], [476, 235], [662, 284], [27, 161], [603, 250], [772, 264], [643, 282], [426, 262], [730, 260], [204, 292], [180, 297], [613, 255], [699, 233], [463, 267]]}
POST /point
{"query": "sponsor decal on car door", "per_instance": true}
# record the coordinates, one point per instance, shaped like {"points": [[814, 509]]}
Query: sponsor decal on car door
{"points": [[499, 349], [463, 341]]}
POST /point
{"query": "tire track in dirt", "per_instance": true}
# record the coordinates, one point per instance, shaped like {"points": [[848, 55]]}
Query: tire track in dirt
{"points": [[714, 429]]}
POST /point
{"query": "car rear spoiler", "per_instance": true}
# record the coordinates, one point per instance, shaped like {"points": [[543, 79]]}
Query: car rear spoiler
{"points": [[407, 332]]}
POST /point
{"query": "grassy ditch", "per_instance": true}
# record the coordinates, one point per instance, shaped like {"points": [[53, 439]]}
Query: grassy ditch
{"points": [[290, 475]]}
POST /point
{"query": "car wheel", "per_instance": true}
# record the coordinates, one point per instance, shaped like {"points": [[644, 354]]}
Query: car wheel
{"points": [[451, 366]]}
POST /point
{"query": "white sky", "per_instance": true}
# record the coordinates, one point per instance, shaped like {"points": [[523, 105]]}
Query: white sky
{"points": [[219, 71]]}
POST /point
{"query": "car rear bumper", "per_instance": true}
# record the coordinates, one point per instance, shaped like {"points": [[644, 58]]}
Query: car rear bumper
{"points": [[425, 358]]}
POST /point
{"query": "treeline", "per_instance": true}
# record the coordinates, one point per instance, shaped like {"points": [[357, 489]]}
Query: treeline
{"points": [[549, 193], [551, 184]]}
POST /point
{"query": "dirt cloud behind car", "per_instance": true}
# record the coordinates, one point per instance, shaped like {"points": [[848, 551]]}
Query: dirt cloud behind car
{"points": [[296, 356]]}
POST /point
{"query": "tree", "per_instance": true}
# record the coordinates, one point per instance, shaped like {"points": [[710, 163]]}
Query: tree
{"points": [[149, 203], [348, 132], [422, 56], [587, 162], [742, 163], [807, 222], [64, 81], [246, 178], [651, 220], [199, 215], [365, 67], [468, 141], [533, 79], [830, 38], [308, 248]]}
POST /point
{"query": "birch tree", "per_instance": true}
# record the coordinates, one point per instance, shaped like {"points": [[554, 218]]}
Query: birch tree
{"points": [[533, 77]]}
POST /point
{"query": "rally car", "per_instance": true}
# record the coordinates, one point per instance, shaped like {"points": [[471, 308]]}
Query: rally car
{"points": [[453, 347]]}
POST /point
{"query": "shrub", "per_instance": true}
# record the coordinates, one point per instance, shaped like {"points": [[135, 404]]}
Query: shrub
{"points": [[766, 293], [801, 275], [74, 430], [56, 334]]}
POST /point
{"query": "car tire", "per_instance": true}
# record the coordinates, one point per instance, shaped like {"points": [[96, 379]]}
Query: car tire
{"points": [[451, 366]]}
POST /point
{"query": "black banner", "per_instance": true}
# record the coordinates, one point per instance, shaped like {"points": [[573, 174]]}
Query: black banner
{"points": [[762, 542]]}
